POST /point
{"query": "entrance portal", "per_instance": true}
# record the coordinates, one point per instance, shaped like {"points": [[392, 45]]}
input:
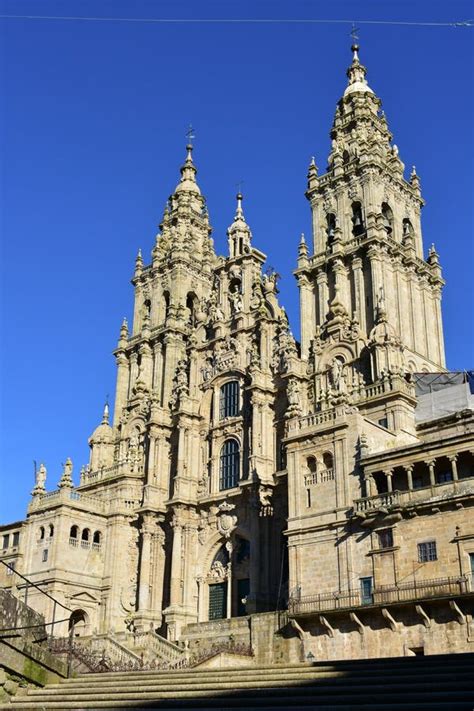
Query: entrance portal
{"points": [[218, 601]]}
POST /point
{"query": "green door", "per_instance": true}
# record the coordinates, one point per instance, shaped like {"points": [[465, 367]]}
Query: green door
{"points": [[217, 601]]}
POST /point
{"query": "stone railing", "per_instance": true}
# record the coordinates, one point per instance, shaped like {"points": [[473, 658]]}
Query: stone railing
{"points": [[318, 418], [109, 647], [319, 477], [384, 594], [410, 496], [70, 497], [161, 647]]}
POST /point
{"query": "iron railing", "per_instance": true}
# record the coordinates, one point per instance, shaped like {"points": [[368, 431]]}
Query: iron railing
{"points": [[381, 595]]}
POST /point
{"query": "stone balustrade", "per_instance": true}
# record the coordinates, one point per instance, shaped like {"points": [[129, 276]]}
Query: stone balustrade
{"points": [[71, 497], [403, 498]]}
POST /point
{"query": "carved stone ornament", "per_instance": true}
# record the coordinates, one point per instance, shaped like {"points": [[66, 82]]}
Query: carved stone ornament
{"points": [[226, 521]]}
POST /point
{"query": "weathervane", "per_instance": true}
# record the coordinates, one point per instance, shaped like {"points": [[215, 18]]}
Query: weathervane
{"points": [[239, 186], [354, 34], [190, 135]]}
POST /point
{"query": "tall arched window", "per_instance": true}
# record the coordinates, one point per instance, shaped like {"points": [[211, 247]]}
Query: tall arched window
{"points": [[407, 227], [51, 530], [331, 226], [387, 216], [73, 533], [229, 465], [229, 400], [166, 299], [357, 220]]}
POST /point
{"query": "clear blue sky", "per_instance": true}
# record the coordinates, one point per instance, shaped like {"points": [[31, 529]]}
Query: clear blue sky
{"points": [[92, 136]]}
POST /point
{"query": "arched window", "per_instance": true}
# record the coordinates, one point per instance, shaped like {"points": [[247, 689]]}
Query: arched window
{"points": [[312, 465], [191, 306], [97, 537], [331, 226], [407, 227], [78, 623], [229, 400], [229, 464], [85, 534], [166, 299], [41, 533], [73, 533], [357, 220], [328, 460], [51, 530], [387, 216], [346, 157]]}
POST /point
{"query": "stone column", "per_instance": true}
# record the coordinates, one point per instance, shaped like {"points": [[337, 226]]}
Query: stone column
{"points": [[147, 530], [454, 467], [157, 367], [133, 372], [252, 606], [121, 392], [389, 474], [322, 296], [159, 569], [307, 315], [431, 467], [229, 548], [369, 485], [359, 289], [376, 274], [175, 586], [409, 472]]}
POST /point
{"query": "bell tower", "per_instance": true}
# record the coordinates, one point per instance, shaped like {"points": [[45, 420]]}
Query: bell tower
{"points": [[368, 272]]}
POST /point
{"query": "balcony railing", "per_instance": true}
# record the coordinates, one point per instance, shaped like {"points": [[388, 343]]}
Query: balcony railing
{"points": [[382, 595], [408, 496]]}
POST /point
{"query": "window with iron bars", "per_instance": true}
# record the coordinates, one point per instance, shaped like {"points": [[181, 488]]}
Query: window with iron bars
{"points": [[229, 400], [229, 465], [427, 552]]}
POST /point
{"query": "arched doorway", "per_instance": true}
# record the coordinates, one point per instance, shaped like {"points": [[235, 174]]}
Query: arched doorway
{"points": [[78, 623], [228, 580]]}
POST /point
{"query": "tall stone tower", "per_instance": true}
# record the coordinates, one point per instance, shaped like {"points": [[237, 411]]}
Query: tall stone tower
{"points": [[197, 428], [368, 273]]}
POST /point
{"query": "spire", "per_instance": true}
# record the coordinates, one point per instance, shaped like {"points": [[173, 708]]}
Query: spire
{"points": [[313, 181], [188, 174], [105, 414], [239, 233], [356, 74], [139, 263]]}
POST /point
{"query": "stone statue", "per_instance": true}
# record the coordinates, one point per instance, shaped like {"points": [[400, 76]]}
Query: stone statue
{"points": [[41, 477], [236, 301], [336, 373], [180, 383]]}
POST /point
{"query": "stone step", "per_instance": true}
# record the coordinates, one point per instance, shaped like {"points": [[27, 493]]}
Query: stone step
{"points": [[446, 680], [368, 668], [420, 706], [453, 659], [335, 696]]}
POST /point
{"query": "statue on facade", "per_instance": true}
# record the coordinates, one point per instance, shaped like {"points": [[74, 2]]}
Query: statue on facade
{"points": [[293, 395], [236, 301], [66, 477], [180, 383]]}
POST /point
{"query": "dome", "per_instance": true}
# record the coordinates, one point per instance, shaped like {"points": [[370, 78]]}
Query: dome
{"points": [[102, 433], [358, 86]]}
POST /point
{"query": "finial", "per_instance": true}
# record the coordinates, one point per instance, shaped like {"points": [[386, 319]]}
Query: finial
{"points": [[312, 175], [190, 135], [66, 478], [239, 212], [40, 481], [302, 248], [105, 415]]}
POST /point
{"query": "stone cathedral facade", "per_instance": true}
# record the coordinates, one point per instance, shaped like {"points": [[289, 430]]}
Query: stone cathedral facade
{"points": [[243, 472]]}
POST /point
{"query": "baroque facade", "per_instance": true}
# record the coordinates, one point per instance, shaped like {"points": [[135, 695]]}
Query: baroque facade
{"points": [[242, 470]]}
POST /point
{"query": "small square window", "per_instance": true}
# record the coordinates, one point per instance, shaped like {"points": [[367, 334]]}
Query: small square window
{"points": [[385, 538], [6, 540], [16, 538], [384, 422], [427, 552], [45, 555]]}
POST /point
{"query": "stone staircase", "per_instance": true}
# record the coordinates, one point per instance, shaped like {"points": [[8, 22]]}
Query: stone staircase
{"points": [[432, 683]]}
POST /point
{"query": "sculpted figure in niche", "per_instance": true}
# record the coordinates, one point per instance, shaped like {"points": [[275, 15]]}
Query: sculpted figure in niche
{"points": [[236, 300], [337, 380]]}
